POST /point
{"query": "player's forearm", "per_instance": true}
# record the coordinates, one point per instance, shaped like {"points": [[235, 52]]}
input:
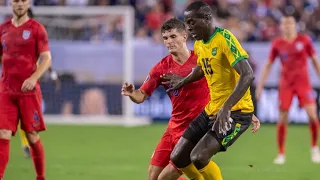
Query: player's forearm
{"points": [[195, 75], [138, 96], [245, 80], [264, 75], [316, 64], [44, 65]]}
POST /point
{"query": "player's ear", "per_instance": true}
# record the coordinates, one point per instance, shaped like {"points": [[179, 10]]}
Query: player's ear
{"points": [[185, 35]]}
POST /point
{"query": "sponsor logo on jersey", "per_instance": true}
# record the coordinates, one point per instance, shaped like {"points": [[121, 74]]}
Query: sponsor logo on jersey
{"points": [[26, 34], [214, 51], [284, 56]]}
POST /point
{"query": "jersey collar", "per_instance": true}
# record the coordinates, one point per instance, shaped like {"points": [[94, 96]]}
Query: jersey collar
{"points": [[211, 37]]}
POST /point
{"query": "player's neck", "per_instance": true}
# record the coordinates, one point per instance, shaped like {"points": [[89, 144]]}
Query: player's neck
{"points": [[290, 37], [182, 56], [18, 21], [210, 33]]}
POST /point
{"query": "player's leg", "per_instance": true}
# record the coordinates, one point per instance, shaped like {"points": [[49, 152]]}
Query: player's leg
{"points": [[307, 100], [170, 172], [213, 143], [32, 122], [180, 156], [24, 142], [8, 126], [285, 99], [161, 156]]}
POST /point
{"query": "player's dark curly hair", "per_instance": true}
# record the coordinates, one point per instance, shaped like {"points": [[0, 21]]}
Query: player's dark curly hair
{"points": [[200, 7], [30, 13], [173, 23]]}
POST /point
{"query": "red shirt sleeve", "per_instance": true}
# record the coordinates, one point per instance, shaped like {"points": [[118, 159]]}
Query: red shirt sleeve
{"points": [[42, 40], [152, 81], [274, 52], [0, 42], [309, 46]]}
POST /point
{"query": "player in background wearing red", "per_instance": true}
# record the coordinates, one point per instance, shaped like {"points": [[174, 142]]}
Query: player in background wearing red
{"points": [[293, 49], [54, 77], [23, 42], [187, 102]]}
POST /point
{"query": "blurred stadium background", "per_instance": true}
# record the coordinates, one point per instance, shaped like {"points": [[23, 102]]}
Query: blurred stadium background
{"points": [[94, 53]]}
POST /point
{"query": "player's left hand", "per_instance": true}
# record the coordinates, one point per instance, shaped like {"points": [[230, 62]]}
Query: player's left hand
{"points": [[174, 81], [256, 124], [29, 84], [223, 122]]}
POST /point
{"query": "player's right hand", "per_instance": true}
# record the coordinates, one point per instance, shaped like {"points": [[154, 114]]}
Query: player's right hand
{"points": [[174, 81], [127, 89]]}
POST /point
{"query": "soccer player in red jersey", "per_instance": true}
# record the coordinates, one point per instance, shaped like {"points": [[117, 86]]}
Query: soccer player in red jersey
{"points": [[187, 102], [293, 49], [23, 41]]}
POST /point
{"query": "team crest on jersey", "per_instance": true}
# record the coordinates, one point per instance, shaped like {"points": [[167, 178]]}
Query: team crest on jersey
{"points": [[26, 34], [214, 51], [299, 46]]}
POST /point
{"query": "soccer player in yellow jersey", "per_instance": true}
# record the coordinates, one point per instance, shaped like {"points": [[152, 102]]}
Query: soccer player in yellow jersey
{"points": [[223, 62]]}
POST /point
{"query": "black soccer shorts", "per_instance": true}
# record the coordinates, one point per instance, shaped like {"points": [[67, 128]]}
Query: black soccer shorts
{"points": [[202, 125]]}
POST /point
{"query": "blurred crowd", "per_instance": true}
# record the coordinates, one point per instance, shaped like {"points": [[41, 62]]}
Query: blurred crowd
{"points": [[249, 20]]}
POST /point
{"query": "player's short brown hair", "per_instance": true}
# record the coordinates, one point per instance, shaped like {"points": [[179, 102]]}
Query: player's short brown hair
{"points": [[173, 23]]}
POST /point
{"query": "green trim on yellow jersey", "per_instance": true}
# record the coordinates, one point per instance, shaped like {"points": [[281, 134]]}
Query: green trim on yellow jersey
{"points": [[239, 59], [233, 48], [212, 36]]}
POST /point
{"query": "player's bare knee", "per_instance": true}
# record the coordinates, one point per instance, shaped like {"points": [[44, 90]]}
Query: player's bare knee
{"points": [[5, 134], [33, 137], [200, 159], [169, 173], [153, 172], [284, 115]]}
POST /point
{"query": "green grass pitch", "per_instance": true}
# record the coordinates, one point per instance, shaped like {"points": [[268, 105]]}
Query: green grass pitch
{"points": [[119, 153]]}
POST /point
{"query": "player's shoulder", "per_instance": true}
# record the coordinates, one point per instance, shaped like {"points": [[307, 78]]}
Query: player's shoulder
{"points": [[5, 24], [304, 37], [35, 24], [277, 40], [164, 62]]}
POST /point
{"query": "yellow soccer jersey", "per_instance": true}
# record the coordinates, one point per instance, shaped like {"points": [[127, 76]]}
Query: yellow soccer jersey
{"points": [[217, 58]]}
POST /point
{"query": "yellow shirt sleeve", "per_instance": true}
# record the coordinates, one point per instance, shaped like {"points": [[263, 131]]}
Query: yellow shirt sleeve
{"points": [[232, 48], [196, 52]]}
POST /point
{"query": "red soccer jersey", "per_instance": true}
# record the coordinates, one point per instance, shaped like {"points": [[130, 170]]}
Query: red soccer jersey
{"points": [[20, 49], [188, 101], [293, 56]]}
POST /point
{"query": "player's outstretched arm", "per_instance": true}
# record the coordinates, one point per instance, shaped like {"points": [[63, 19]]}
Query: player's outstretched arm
{"points": [[136, 95], [264, 75], [177, 82]]}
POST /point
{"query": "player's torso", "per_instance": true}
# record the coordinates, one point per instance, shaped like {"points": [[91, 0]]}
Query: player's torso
{"points": [[293, 56], [19, 54], [190, 100], [221, 76]]}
